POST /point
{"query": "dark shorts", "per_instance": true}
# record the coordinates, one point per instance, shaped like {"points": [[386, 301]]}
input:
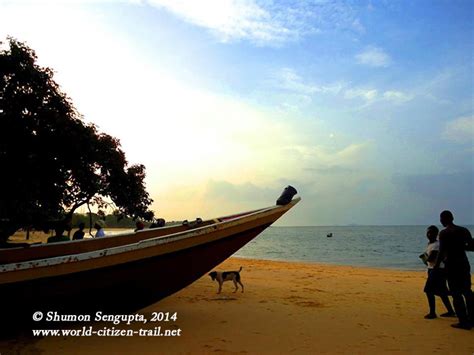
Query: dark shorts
{"points": [[436, 282], [459, 281]]}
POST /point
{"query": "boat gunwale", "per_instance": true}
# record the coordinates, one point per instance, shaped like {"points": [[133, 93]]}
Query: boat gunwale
{"points": [[124, 233], [146, 243]]}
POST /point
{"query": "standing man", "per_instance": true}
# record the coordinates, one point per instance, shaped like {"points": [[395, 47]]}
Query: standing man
{"points": [[453, 243]]}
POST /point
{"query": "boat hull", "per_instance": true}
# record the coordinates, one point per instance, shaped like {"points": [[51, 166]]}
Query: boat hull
{"points": [[122, 288], [125, 279]]}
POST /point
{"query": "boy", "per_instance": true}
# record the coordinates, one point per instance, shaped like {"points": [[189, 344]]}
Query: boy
{"points": [[436, 281]]}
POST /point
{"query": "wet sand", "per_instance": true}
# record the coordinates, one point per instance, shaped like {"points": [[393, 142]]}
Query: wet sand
{"points": [[287, 308]]}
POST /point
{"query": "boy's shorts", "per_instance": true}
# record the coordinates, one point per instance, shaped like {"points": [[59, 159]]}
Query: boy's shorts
{"points": [[436, 282]]}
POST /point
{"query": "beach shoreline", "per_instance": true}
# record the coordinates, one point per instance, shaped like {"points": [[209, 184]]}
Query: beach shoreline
{"points": [[287, 307]]}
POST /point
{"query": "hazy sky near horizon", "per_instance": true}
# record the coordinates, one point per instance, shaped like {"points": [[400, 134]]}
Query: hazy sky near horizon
{"points": [[366, 107]]}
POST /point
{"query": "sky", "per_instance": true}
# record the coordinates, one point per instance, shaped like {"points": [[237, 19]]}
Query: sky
{"points": [[365, 107]]}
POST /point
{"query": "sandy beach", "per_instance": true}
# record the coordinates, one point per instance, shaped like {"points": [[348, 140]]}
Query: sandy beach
{"points": [[287, 307]]}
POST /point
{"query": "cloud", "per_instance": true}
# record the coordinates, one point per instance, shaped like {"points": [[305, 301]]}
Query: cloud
{"points": [[341, 159], [353, 153], [216, 197], [357, 25], [331, 170], [439, 192], [372, 96], [246, 193], [263, 22], [289, 79], [374, 57], [233, 20], [396, 96], [366, 94], [460, 130]]}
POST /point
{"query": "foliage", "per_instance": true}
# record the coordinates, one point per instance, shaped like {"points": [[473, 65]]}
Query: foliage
{"points": [[110, 220], [52, 162]]}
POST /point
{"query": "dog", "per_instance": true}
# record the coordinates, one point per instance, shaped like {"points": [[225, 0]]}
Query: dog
{"points": [[222, 276]]}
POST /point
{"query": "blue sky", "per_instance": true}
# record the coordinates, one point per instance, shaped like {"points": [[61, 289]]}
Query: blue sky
{"points": [[366, 107]]}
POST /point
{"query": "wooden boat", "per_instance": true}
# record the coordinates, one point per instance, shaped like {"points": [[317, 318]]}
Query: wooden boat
{"points": [[127, 277]]}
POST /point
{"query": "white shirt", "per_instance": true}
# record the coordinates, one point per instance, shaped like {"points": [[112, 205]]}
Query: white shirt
{"points": [[430, 248]]}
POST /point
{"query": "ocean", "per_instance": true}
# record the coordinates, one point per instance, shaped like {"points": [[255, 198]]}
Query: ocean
{"points": [[395, 247]]}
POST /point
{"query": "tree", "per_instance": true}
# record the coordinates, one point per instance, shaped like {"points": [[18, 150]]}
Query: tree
{"points": [[52, 162]]}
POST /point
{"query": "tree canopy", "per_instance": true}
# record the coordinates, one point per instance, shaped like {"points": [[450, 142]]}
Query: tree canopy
{"points": [[52, 161]]}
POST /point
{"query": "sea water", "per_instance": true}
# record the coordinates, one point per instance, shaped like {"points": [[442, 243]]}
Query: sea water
{"points": [[396, 247]]}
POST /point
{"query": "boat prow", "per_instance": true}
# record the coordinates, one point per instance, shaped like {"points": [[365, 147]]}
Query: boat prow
{"points": [[128, 277]]}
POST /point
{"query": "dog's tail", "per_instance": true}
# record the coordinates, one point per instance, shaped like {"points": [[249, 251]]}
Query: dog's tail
{"points": [[240, 269]]}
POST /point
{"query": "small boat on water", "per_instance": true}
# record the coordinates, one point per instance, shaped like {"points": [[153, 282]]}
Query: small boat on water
{"points": [[123, 273], [329, 235]]}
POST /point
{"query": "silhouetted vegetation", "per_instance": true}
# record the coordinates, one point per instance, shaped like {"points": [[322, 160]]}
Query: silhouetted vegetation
{"points": [[111, 221], [52, 162]]}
